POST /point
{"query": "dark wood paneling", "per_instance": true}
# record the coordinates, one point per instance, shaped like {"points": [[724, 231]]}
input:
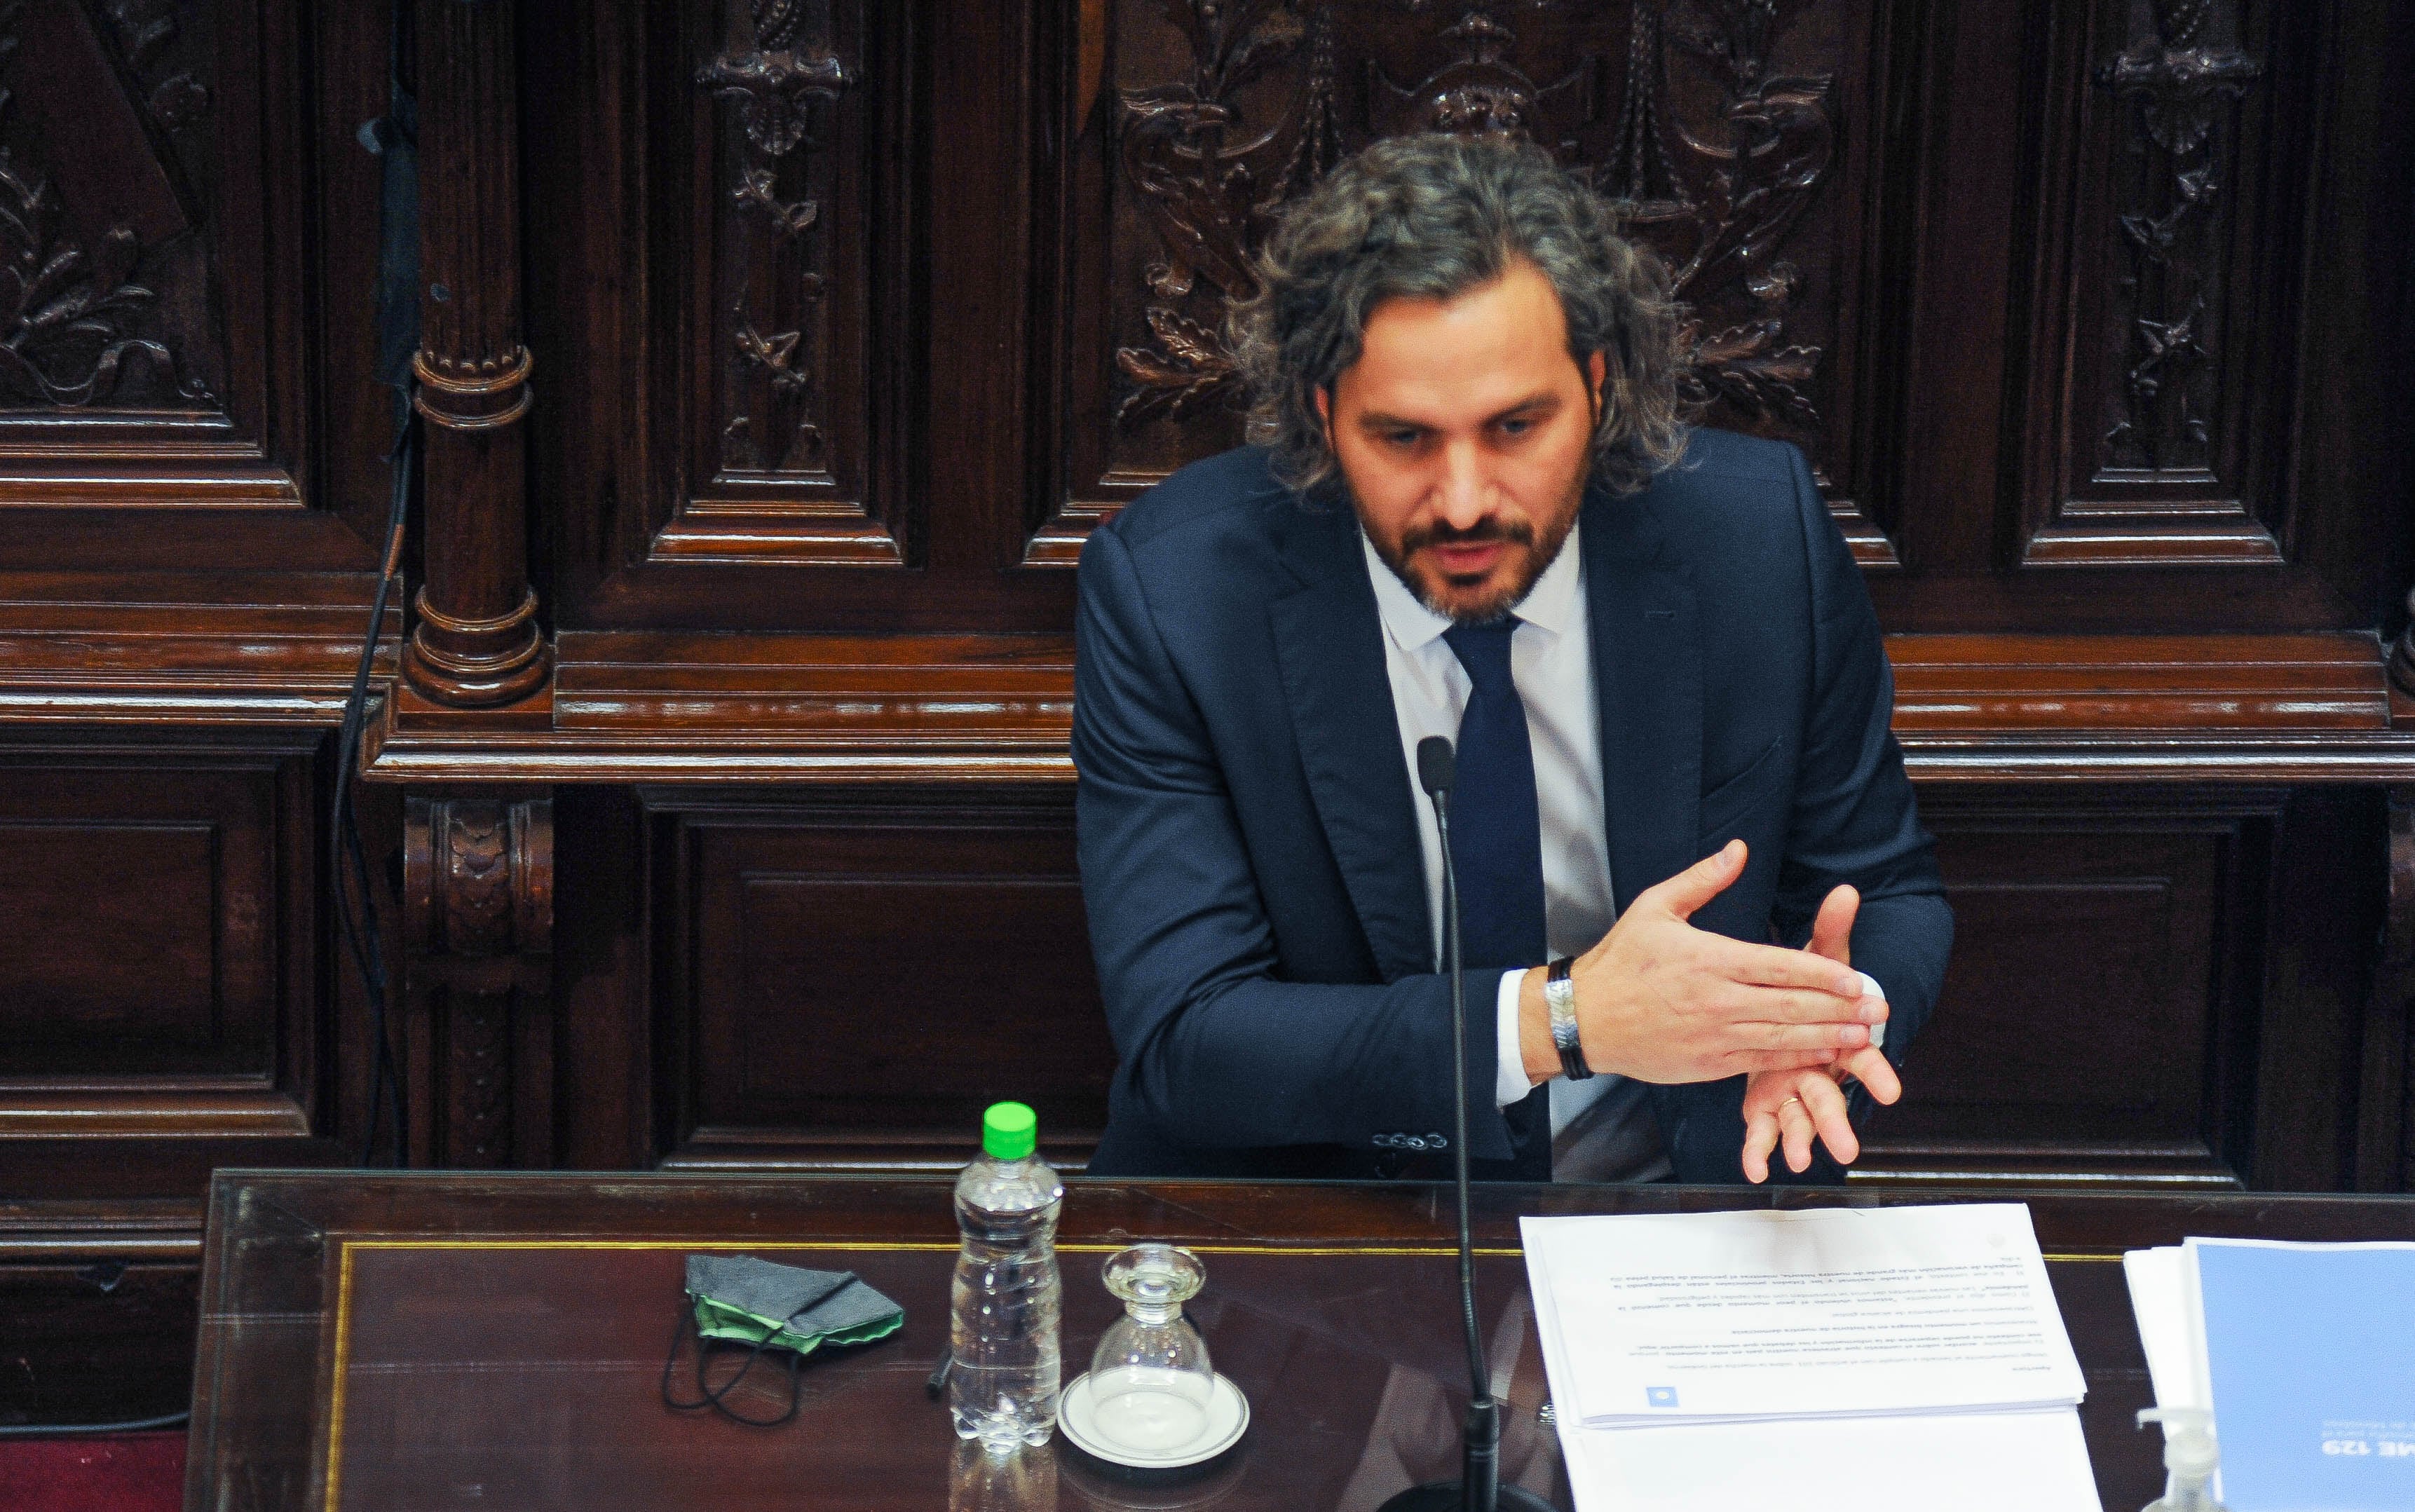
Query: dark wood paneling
{"points": [[852, 981], [2358, 319], [2091, 1017], [1748, 146], [133, 167], [2114, 388], [819, 419], [792, 418], [785, 160], [604, 1099], [855, 983], [161, 962], [2166, 265], [162, 1013], [95, 1341], [2321, 1039], [170, 193], [2385, 1153], [139, 899]]}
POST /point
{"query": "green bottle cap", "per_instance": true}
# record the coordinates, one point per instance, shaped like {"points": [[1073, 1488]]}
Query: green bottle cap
{"points": [[1009, 1130]]}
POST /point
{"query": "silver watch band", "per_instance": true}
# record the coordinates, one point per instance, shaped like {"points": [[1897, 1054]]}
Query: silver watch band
{"points": [[1560, 997]]}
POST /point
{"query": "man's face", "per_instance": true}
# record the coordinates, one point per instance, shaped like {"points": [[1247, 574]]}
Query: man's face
{"points": [[1464, 432]]}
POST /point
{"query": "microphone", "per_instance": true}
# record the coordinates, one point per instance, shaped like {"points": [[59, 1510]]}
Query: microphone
{"points": [[1437, 764], [1479, 1487]]}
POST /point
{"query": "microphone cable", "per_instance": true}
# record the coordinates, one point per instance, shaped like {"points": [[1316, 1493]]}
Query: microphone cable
{"points": [[394, 139], [72, 1430], [348, 858]]}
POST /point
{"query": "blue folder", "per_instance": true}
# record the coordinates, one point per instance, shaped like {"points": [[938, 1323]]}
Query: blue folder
{"points": [[2310, 1351]]}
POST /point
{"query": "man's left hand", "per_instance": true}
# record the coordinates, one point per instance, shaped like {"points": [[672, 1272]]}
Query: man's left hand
{"points": [[1791, 1107]]}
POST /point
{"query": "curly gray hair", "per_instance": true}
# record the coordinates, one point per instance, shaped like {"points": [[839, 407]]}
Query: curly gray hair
{"points": [[1431, 217]]}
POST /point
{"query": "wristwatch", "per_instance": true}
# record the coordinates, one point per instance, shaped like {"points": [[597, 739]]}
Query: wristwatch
{"points": [[1560, 996]]}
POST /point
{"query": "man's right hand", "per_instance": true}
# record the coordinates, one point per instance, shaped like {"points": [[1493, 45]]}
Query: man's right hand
{"points": [[1663, 1002]]}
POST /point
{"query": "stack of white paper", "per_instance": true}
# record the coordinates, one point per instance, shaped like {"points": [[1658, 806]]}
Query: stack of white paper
{"points": [[2305, 1355], [1860, 1358]]}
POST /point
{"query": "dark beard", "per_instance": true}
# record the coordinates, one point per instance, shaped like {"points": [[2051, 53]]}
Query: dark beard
{"points": [[1491, 528]]}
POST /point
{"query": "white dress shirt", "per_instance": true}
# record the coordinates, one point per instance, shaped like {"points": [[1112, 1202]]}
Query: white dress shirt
{"points": [[1601, 1127]]}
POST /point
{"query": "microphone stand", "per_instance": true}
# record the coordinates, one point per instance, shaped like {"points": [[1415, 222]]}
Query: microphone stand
{"points": [[1479, 1487]]}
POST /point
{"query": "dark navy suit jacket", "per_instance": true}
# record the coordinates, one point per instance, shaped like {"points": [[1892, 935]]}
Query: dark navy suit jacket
{"points": [[1249, 841]]}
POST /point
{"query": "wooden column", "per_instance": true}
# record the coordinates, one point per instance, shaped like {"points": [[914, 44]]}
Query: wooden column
{"points": [[478, 927], [476, 642]]}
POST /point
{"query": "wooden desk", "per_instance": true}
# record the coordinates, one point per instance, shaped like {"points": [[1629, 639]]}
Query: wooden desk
{"points": [[493, 1341]]}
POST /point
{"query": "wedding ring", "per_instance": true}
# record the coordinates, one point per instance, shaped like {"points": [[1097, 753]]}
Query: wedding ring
{"points": [[1781, 1107]]}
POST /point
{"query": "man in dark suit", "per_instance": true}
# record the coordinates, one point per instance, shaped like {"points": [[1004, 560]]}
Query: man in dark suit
{"points": [[1473, 511]]}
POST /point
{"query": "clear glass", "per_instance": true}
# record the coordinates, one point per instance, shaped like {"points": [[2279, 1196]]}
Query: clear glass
{"points": [[1006, 1301], [1151, 1379]]}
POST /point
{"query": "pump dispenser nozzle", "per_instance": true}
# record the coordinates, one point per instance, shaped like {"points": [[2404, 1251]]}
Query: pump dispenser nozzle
{"points": [[2189, 1456]]}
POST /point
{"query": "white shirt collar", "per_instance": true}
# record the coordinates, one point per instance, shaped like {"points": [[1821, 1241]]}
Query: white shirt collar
{"points": [[1554, 603]]}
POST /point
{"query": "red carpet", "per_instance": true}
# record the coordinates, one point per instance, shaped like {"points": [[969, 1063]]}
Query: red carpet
{"points": [[129, 1472]]}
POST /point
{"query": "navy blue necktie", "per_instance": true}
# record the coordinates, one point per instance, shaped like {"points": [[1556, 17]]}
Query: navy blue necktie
{"points": [[1496, 843], [1496, 835]]}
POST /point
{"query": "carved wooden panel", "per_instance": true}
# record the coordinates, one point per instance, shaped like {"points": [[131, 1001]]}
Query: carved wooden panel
{"points": [[1743, 138], [2089, 1019], [853, 983], [152, 311], [782, 161], [478, 930], [158, 973], [2162, 444]]}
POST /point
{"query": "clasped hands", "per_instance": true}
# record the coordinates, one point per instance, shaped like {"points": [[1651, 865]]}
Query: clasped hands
{"points": [[1659, 1000]]}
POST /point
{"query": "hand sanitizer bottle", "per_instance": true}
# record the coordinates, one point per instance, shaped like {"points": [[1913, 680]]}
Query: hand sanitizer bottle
{"points": [[2189, 1459]]}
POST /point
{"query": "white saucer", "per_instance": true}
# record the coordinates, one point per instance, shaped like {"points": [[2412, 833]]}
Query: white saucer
{"points": [[1228, 1417]]}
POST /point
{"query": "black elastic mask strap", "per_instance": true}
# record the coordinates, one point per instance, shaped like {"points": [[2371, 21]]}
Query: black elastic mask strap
{"points": [[711, 1395]]}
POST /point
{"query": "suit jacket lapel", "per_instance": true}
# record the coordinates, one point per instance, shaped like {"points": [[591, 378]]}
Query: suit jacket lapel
{"points": [[1328, 642], [1647, 669]]}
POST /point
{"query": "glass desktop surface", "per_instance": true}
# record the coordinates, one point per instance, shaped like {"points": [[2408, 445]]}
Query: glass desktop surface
{"points": [[456, 1340]]}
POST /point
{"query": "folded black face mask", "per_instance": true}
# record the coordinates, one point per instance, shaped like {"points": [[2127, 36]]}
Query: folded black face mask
{"points": [[738, 1299]]}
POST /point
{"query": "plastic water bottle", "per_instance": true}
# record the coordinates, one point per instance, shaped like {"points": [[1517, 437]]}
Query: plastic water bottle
{"points": [[1023, 1481], [1007, 1297]]}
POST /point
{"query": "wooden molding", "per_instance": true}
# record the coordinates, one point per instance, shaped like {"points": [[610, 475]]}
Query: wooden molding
{"points": [[123, 650], [1058, 542], [126, 1230], [2143, 539], [2183, 684], [1885, 1165], [38, 1112], [835, 1150], [649, 708], [817, 533], [669, 708]]}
